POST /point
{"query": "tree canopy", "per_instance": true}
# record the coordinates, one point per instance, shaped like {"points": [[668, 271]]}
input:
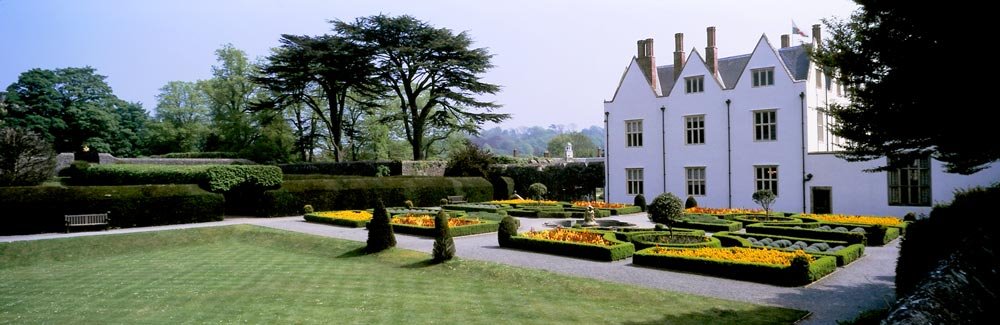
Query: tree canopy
{"points": [[582, 146], [890, 58], [433, 73]]}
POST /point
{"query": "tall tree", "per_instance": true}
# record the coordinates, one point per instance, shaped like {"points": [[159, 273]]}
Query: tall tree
{"points": [[433, 73], [321, 72], [182, 119], [582, 146], [884, 54], [70, 107], [230, 92]]}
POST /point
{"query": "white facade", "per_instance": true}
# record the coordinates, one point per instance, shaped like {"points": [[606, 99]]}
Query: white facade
{"points": [[729, 111]]}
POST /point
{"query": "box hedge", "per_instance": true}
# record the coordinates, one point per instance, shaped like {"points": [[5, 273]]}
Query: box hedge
{"points": [[503, 187], [37, 209], [848, 254], [570, 181], [353, 168], [620, 249], [765, 273], [875, 235], [214, 178], [362, 192], [719, 224], [623, 210], [790, 231], [643, 240], [748, 219], [486, 227], [202, 155]]}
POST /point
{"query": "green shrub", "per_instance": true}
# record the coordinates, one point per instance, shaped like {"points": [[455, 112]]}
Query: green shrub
{"points": [[640, 201], [444, 245], [788, 230], [503, 187], [645, 240], [408, 204], [203, 155], [38, 209], [469, 161], [849, 253], [223, 178], [773, 274], [25, 158], [537, 191], [214, 178], [566, 182], [307, 209], [508, 228], [622, 211], [380, 235], [765, 198], [666, 208], [352, 168], [619, 249], [749, 219], [690, 202], [358, 193], [486, 226], [74, 168]]}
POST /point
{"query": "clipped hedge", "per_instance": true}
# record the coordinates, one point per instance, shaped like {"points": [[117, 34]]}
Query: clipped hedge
{"points": [[335, 221], [790, 231], [844, 256], [624, 210], [38, 209], [486, 227], [874, 235], [362, 193], [643, 240], [202, 155], [477, 207], [625, 234], [619, 250], [353, 168], [568, 182], [214, 178], [503, 187], [749, 219], [721, 225], [764, 273]]}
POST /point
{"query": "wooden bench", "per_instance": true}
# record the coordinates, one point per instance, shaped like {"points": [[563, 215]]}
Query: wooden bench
{"points": [[84, 220], [452, 199]]}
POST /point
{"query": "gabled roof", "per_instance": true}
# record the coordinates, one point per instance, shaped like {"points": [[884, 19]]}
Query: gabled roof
{"points": [[795, 59]]}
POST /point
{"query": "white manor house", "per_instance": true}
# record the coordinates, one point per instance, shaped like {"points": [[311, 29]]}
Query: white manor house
{"points": [[719, 129]]}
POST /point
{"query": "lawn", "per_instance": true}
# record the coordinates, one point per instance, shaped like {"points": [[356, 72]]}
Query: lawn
{"points": [[260, 275]]}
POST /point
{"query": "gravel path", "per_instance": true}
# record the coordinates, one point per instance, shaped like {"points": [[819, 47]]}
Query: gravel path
{"points": [[867, 283]]}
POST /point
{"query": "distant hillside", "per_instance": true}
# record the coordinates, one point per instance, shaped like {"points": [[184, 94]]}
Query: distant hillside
{"points": [[530, 141]]}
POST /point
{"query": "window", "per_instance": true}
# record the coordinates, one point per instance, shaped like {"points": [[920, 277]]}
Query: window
{"points": [[695, 181], [633, 181], [762, 77], [911, 185], [820, 125], [819, 79], [765, 125], [694, 84], [766, 178], [694, 127], [633, 133]]}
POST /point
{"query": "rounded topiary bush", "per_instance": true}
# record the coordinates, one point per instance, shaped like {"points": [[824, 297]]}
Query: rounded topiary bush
{"points": [[508, 228], [308, 208], [665, 209], [690, 203], [444, 245], [380, 235], [537, 191], [640, 201], [910, 216], [408, 204]]}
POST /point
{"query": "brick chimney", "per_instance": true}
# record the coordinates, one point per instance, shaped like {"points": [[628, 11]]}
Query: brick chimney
{"points": [[786, 41], [678, 54], [817, 40], [712, 53], [647, 63]]}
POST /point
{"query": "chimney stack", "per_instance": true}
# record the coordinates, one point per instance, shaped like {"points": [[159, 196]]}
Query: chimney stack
{"points": [[817, 40], [785, 41], [712, 53], [678, 54], [647, 63]]}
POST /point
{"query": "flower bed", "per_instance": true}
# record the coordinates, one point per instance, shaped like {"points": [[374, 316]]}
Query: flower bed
{"points": [[477, 207], [423, 225], [875, 235], [844, 252], [597, 245], [804, 231], [748, 219], [614, 209], [722, 211], [707, 223], [752, 264], [525, 202], [347, 218], [861, 220], [694, 239]]}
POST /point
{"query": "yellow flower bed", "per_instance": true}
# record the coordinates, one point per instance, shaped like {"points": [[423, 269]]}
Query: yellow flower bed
{"points": [[523, 201], [700, 210], [424, 220], [356, 215], [563, 234], [865, 220], [736, 254], [599, 205]]}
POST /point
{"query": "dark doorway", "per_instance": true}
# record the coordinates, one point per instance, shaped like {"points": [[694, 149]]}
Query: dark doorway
{"points": [[822, 202]]}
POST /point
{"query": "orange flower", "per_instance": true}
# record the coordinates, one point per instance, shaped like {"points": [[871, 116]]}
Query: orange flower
{"points": [[599, 204], [864, 220], [569, 235], [736, 254], [423, 220], [700, 210], [356, 215]]}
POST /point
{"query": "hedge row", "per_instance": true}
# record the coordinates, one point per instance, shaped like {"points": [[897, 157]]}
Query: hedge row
{"points": [[848, 254], [486, 227], [215, 178], [477, 207], [567, 182], [749, 219], [202, 155], [363, 192], [874, 235], [619, 250], [787, 230], [645, 240], [503, 187], [38, 209], [555, 213], [625, 234], [335, 221], [713, 227], [354, 168], [625, 210], [765, 273]]}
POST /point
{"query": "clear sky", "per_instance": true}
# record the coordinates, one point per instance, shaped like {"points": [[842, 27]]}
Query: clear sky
{"points": [[556, 60]]}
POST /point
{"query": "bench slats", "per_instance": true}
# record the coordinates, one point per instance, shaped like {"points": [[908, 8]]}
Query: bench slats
{"points": [[79, 220]]}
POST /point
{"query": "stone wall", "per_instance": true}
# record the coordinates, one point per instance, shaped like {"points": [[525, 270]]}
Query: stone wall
{"points": [[424, 167]]}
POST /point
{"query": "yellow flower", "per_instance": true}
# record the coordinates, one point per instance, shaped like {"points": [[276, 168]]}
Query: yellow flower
{"points": [[523, 201], [424, 220], [736, 254], [700, 210], [356, 215], [864, 220], [569, 235], [599, 204]]}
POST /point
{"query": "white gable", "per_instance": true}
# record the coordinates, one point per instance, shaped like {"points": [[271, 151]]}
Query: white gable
{"points": [[765, 56], [633, 84], [695, 66]]}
